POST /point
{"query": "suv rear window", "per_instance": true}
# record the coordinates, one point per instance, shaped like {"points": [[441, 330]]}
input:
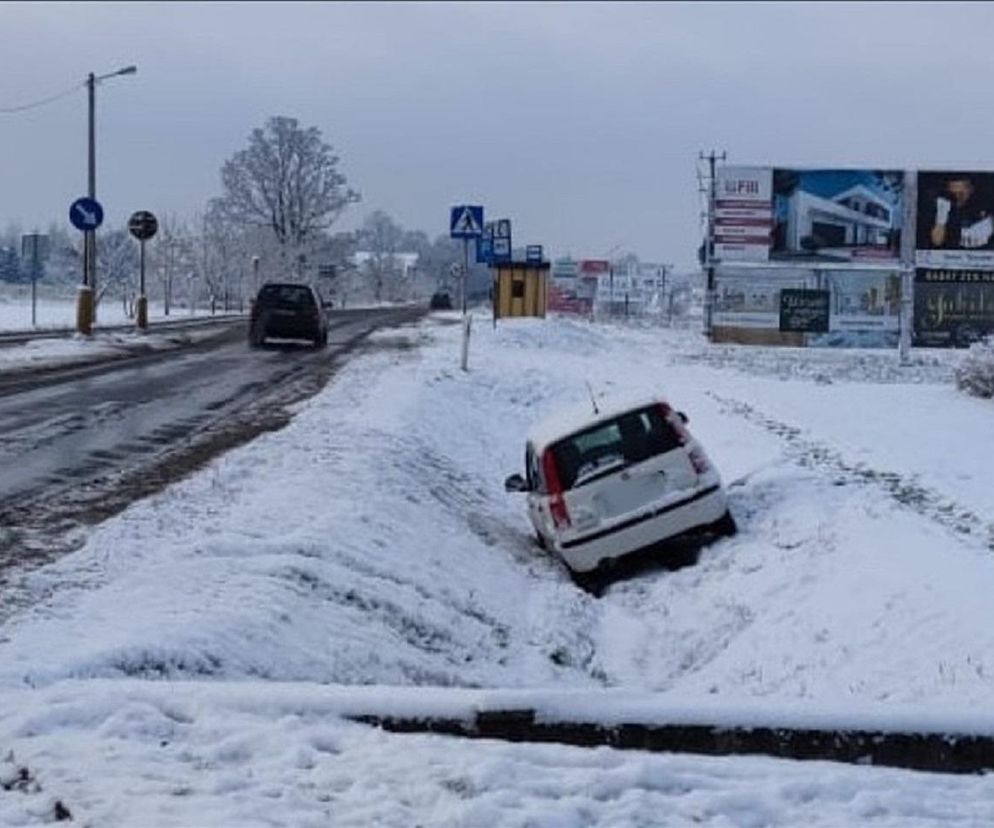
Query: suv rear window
{"points": [[286, 295], [610, 446]]}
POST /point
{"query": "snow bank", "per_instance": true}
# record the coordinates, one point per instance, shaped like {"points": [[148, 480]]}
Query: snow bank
{"points": [[127, 754], [976, 373], [371, 543]]}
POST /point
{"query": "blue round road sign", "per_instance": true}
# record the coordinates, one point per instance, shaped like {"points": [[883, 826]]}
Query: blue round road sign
{"points": [[86, 214]]}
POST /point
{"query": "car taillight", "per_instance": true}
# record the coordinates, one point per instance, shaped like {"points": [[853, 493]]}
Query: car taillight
{"points": [[698, 460], [557, 505]]}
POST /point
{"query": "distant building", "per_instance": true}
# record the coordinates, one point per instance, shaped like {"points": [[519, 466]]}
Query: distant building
{"points": [[406, 262]]}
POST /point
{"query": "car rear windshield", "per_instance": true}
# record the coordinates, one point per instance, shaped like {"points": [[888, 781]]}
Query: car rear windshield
{"points": [[613, 445], [286, 295]]}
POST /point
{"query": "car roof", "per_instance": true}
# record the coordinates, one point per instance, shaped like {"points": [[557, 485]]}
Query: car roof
{"points": [[286, 284], [581, 416]]}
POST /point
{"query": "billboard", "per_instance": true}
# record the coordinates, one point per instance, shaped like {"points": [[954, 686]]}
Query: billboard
{"points": [[955, 221], [837, 216], [804, 311], [953, 308], [864, 306], [743, 214]]}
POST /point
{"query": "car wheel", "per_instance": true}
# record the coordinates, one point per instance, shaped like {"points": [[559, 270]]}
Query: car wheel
{"points": [[725, 525], [593, 582]]}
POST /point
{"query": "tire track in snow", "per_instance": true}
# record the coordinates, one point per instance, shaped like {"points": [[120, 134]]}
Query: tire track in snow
{"points": [[905, 490]]}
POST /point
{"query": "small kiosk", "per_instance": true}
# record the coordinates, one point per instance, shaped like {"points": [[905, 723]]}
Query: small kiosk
{"points": [[519, 289]]}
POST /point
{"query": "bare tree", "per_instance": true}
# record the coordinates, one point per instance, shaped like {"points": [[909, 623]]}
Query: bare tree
{"points": [[287, 180], [381, 237], [172, 256], [117, 257]]}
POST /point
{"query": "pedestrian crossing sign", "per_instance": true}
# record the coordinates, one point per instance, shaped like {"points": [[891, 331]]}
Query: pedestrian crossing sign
{"points": [[466, 222]]}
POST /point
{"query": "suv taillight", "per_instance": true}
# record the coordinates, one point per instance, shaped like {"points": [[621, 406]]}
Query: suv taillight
{"points": [[698, 460], [557, 505]]}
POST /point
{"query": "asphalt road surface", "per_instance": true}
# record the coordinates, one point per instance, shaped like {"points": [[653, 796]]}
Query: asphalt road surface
{"points": [[78, 446]]}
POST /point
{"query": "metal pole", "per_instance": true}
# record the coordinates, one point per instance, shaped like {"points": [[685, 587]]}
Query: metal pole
{"points": [[91, 235], [465, 272], [709, 297], [34, 287], [142, 298]]}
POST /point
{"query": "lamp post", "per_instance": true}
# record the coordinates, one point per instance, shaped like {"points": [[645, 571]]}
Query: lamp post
{"points": [[86, 308]]}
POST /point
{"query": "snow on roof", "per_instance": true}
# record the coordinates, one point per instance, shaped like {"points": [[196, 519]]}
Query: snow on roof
{"points": [[581, 416]]}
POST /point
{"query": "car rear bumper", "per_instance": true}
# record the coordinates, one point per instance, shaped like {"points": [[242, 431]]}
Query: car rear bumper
{"points": [[288, 328], [585, 552]]}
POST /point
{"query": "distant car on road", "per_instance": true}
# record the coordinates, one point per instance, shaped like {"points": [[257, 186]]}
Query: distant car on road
{"points": [[603, 485], [287, 311], [441, 300]]}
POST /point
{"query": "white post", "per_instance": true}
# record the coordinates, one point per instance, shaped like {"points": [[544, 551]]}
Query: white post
{"points": [[467, 324]]}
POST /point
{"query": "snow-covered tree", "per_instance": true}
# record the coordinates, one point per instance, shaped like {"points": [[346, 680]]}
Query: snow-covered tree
{"points": [[381, 238], [286, 180], [117, 266]]}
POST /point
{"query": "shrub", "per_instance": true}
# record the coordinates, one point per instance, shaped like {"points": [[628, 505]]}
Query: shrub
{"points": [[976, 373]]}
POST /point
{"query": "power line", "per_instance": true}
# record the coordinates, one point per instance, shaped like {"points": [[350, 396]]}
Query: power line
{"points": [[7, 110]]}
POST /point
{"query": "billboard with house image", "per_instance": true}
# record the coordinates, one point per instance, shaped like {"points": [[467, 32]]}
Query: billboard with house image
{"points": [[837, 215]]}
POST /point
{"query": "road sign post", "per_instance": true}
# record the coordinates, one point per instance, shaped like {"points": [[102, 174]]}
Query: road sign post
{"points": [[143, 225], [34, 248], [86, 215], [465, 222]]}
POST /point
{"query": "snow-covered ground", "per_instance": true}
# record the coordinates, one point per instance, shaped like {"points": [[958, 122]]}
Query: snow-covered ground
{"points": [[371, 543], [60, 312], [47, 353]]}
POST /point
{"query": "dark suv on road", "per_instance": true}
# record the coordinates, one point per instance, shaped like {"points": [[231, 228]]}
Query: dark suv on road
{"points": [[287, 311]]}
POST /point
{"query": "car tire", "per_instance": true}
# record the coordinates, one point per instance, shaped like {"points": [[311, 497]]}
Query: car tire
{"points": [[725, 525], [593, 582]]}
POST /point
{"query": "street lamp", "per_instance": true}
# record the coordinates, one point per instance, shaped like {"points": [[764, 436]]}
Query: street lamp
{"points": [[87, 306]]}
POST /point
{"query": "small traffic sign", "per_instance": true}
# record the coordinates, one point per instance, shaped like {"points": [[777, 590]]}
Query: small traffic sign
{"points": [[502, 250], [502, 229], [533, 253], [143, 225], [86, 214], [466, 222], [484, 249]]}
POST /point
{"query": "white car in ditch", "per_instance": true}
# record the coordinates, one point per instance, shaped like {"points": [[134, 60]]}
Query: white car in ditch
{"points": [[602, 484]]}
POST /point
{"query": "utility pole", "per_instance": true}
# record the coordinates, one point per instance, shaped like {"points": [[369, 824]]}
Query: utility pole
{"points": [[709, 297], [87, 300]]}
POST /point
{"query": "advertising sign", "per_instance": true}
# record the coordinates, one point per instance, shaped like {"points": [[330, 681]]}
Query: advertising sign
{"points": [[953, 308], [955, 221], [804, 311], [743, 214], [863, 305], [837, 215]]}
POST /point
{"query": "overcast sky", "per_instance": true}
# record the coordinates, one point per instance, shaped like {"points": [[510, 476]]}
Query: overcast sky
{"points": [[581, 122]]}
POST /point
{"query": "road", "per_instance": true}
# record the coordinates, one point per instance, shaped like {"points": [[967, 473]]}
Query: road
{"points": [[79, 445]]}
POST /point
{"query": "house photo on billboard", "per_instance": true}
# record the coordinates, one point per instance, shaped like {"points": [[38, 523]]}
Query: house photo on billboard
{"points": [[837, 215]]}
